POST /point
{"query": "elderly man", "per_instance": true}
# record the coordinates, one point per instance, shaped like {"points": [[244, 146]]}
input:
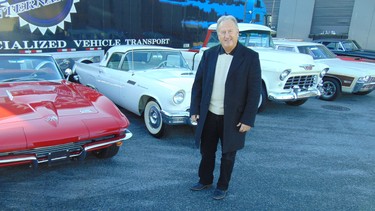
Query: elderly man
{"points": [[224, 103]]}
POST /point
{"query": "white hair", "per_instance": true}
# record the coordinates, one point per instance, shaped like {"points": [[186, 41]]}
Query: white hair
{"points": [[225, 18]]}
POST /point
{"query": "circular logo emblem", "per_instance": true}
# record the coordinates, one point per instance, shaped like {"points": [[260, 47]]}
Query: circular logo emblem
{"points": [[51, 13], [41, 14]]}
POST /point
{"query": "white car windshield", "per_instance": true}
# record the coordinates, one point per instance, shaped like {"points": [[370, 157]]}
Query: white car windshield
{"points": [[317, 51], [28, 68], [248, 38], [140, 60]]}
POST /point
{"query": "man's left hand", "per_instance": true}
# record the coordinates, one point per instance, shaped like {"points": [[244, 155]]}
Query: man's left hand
{"points": [[243, 127]]}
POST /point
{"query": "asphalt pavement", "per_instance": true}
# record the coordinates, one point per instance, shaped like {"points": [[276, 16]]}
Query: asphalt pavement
{"points": [[318, 156]]}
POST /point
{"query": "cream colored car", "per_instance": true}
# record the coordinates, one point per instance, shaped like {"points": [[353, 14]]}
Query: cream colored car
{"points": [[343, 76]]}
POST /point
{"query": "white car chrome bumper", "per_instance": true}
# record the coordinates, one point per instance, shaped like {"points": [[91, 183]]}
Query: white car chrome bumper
{"points": [[295, 94], [179, 118]]}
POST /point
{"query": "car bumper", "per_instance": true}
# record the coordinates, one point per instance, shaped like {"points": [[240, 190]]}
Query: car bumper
{"points": [[364, 87], [295, 94], [55, 153], [179, 118]]}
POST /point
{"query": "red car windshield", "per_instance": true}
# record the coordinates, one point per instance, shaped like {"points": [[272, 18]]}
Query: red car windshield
{"points": [[28, 68]]}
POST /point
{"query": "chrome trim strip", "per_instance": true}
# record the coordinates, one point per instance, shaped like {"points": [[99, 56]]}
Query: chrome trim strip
{"points": [[96, 145], [34, 159], [20, 159]]}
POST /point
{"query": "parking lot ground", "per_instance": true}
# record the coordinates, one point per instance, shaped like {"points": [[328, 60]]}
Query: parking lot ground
{"points": [[318, 156]]}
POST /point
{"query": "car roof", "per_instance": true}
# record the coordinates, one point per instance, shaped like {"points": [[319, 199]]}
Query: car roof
{"points": [[138, 47], [295, 43], [245, 27], [331, 40]]}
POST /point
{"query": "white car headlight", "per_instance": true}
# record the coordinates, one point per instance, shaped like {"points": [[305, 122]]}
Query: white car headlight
{"points": [[364, 79], [285, 74], [324, 72], [179, 97]]}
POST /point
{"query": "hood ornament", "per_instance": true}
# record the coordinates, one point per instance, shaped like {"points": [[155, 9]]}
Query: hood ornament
{"points": [[307, 66]]}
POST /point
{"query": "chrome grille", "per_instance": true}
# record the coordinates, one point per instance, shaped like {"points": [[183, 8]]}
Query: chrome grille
{"points": [[69, 147], [44, 151], [303, 81]]}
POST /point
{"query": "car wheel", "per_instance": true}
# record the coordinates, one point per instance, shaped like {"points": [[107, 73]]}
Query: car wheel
{"points": [[362, 93], [331, 89], [263, 100], [107, 152], [296, 102], [153, 119]]}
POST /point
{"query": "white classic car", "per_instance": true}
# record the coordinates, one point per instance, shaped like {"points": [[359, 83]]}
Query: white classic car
{"points": [[343, 76], [287, 77], [152, 81]]}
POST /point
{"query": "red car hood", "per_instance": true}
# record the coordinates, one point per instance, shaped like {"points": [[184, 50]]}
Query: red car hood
{"points": [[29, 101], [38, 114]]}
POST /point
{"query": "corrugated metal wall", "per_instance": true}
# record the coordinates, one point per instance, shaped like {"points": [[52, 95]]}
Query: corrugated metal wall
{"points": [[332, 16], [273, 7]]}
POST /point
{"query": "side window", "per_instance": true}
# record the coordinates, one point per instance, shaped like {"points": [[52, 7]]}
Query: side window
{"points": [[330, 45], [349, 46], [286, 48], [242, 38], [214, 40], [114, 61], [340, 47], [173, 61], [136, 60], [127, 63]]}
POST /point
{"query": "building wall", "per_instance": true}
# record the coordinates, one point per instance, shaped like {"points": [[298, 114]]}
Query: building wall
{"points": [[304, 19], [332, 17], [362, 25], [295, 18]]}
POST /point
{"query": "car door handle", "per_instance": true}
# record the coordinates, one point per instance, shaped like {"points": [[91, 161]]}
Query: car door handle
{"points": [[131, 82], [101, 71]]}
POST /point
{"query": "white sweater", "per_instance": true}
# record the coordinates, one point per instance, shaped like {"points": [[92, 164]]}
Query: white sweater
{"points": [[221, 72]]}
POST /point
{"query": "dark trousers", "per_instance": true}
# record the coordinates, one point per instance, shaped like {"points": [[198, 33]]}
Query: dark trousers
{"points": [[212, 133]]}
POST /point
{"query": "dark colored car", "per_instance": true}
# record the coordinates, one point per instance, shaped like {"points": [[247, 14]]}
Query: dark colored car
{"points": [[348, 49]]}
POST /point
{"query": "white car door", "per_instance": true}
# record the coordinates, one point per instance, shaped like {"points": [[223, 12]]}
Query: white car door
{"points": [[107, 83], [121, 82]]}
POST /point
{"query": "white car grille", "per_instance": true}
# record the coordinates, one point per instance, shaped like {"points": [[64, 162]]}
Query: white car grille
{"points": [[303, 81]]}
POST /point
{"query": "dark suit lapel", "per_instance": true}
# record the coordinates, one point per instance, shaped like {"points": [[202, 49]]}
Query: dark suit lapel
{"points": [[238, 58], [213, 60]]}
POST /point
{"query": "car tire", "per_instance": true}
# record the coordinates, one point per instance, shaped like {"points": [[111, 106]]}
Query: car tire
{"points": [[107, 152], [263, 100], [296, 102], [153, 119], [331, 89]]}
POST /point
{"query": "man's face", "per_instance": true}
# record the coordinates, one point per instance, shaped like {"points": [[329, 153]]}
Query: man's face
{"points": [[228, 35]]}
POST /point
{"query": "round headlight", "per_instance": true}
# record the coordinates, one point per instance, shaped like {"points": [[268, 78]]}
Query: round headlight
{"points": [[179, 97], [285, 74]]}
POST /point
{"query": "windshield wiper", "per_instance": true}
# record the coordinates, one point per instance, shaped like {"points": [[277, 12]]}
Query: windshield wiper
{"points": [[22, 79]]}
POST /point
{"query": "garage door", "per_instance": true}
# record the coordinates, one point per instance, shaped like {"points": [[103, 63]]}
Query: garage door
{"points": [[332, 16]]}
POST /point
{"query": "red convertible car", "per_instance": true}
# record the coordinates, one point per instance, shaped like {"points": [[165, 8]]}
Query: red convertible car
{"points": [[45, 118]]}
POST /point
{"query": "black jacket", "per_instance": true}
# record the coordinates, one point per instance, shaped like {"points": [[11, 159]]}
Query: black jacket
{"points": [[242, 92]]}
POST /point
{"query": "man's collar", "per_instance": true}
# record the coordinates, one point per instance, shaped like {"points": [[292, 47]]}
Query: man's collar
{"points": [[222, 51]]}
